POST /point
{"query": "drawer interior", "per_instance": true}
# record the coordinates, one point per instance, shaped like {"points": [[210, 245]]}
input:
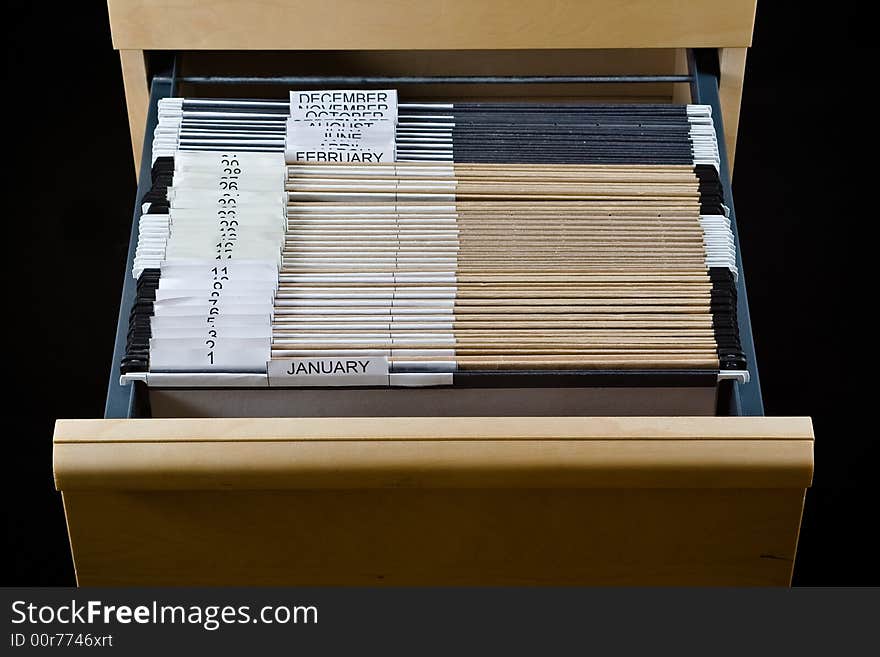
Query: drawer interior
{"points": [[625, 76], [271, 74]]}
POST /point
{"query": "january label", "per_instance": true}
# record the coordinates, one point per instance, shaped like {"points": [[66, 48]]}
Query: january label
{"points": [[328, 372]]}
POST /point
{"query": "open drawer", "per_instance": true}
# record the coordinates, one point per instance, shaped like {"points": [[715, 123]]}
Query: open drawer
{"points": [[415, 501], [494, 498]]}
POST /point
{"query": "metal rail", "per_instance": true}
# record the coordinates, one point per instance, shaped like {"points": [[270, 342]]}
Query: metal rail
{"points": [[367, 80]]}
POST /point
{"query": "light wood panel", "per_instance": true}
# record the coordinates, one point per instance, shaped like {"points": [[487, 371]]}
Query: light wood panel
{"points": [[421, 428], [137, 99], [451, 24], [732, 62], [444, 537], [414, 501]]}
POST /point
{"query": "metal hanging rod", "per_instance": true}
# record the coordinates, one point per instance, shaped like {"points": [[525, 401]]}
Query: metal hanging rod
{"points": [[309, 80]]}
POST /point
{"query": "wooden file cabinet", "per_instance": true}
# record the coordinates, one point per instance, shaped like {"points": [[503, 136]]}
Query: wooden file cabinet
{"points": [[428, 500]]}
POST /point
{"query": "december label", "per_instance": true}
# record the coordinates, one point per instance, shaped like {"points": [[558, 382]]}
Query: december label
{"points": [[384, 102], [350, 96]]}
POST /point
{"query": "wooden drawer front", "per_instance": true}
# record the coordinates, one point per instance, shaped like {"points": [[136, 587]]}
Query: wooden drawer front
{"points": [[452, 24], [415, 501]]}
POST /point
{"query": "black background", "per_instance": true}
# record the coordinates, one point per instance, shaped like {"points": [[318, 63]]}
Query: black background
{"points": [[804, 188]]}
